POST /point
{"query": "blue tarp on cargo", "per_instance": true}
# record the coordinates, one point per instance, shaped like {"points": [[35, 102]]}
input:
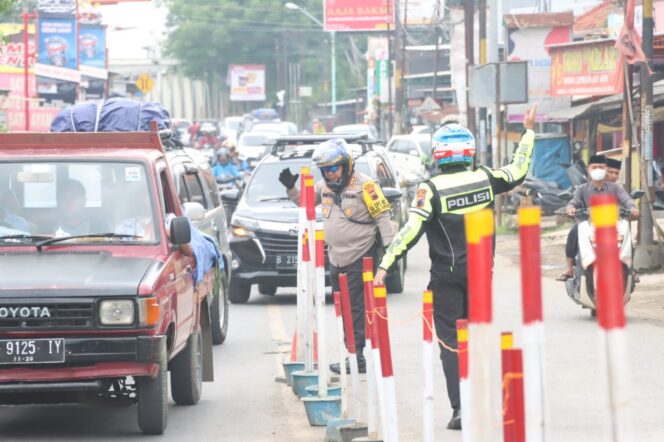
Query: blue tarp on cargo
{"points": [[111, 115], [551, 157]]}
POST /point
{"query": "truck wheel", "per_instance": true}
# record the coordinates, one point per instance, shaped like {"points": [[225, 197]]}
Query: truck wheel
{"points": [[394, 282], [219, 310], [153, 398], [187, 372], [267, 289], [239, 291]]}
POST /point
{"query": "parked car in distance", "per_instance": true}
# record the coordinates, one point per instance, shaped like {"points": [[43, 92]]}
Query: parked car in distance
{"points": [[264, 224], [357, 129], [421, 129], [280, 128], [410, 153], [252, 145]]}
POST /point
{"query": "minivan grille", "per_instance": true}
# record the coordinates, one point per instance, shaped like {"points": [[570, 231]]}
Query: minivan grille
{"points": [[70, 315], [277, 243]]}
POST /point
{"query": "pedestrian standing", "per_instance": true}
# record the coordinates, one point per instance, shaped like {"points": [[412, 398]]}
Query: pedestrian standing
{"points": [[438, 211], [354, 211]]}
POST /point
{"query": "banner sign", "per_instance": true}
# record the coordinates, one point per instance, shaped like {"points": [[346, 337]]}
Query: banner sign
{"points": [[56, 7], [358, 15], [247, 82], [591, 68], [529, 44], [57, 47], [11, 48], [92, 51]]}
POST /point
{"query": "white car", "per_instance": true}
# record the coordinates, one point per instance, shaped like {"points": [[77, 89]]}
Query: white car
{"points": [[253, 144], [356, 129], [410, 154], [280, 128]]}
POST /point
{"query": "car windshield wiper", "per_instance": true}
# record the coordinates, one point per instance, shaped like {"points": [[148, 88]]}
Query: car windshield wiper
{"points": [[49, 241], [274, 198], [26, 236]]}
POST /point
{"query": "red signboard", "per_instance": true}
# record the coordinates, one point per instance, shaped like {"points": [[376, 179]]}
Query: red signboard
{"points": [[592, 68], [358, 15]]}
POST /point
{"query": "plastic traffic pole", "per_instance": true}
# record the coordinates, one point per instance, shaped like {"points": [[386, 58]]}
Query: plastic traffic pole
{"points": [[390, 393], [611, 315], [479, 236], [427, 360], [320, 313], [533, 325], [372, 323], [512, 369], [298, 347], [372, 387], [350, 343], [310, 245], [462, 348], [308, 319], [342, 353]]}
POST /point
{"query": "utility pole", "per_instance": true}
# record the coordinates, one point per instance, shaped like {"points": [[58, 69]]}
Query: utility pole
{"points": [[401, 109], [483, 60], [494, 30], [469, 28], [390, 115], [436, 56], [646, 232]]}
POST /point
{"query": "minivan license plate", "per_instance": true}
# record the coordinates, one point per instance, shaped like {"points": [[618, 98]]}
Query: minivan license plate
{"points": [[286, 261], [32, 351]]}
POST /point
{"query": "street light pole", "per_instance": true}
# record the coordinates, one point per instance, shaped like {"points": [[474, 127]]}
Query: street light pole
{"points": [[26, 77], [333, 59]]}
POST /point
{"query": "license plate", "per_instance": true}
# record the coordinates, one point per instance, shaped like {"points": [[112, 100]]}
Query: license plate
{"points": [[286, 261], [32, 351]]}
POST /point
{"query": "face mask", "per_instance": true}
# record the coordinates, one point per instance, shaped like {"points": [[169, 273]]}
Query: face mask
{"points": [[597, 174]]}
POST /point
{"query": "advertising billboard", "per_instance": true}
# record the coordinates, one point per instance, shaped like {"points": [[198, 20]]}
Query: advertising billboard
{"points": [[57, 49], [530, 45], [358, 15], [247, 82], [11, 48], [92, 50], [591, 68]]}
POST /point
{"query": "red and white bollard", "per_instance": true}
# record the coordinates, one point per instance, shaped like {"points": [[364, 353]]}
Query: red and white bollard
{"points": [[373, 351], [462, 348], [513, 401], [390, 418], [319, 298], [479, 236], [533, 325], [611, 316], [309, 251], [342, 353], [297, 353], [350, 343], [428, 347]]}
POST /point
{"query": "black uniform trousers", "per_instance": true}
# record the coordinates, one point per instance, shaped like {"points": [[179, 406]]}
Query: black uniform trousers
{"points": [[450, 302], [356, 293]]}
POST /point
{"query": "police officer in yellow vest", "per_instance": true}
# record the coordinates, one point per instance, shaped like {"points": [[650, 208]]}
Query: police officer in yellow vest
{"points": [[354, 208], [437, 211]]}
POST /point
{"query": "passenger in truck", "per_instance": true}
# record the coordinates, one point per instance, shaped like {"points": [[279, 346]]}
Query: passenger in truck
{"points": [[73, 219]]}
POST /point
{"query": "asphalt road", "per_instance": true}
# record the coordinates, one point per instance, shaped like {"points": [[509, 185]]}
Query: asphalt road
{"points": [[249, 401]]}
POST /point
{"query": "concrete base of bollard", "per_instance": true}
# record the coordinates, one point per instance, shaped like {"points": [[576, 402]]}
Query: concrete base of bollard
{"points": [[289, 368], [332, 433], [302, 380], [366, 439], [321, 410], [354, 431], [332, 390], [648, 258]]}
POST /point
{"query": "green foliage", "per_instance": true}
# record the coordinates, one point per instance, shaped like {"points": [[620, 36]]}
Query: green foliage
{"points": [[208, 35], [10, 10]]}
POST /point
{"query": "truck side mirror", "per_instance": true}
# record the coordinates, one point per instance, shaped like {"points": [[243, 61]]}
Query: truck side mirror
{"points": [[194, 211], [180, 231], [392, 194]]}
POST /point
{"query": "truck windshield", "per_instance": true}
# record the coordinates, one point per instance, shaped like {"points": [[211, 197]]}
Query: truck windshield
{"points": [[60, 199]]}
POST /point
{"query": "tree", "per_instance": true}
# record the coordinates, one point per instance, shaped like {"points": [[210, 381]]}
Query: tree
{"points": [[208, 35]]}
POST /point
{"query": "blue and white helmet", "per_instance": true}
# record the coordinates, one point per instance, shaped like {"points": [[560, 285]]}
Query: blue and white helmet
{"points": [[453, 144]]}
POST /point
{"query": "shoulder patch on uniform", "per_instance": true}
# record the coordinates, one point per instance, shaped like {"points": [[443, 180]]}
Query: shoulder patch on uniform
{"points": [[420, 197], [374, 199]]}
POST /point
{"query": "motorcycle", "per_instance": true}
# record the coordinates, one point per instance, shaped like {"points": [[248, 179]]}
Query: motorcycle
{"points": [[548, 194], [581, 287], [229, 184]]}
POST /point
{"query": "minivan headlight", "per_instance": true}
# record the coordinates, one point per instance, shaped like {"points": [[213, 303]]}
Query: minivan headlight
{"points": [[116, 312]]}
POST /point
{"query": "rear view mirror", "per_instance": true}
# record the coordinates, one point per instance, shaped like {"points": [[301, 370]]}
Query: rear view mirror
{"points": [[180, 231], [392, 194], [230, 196], [636, 194], [414, 153]]}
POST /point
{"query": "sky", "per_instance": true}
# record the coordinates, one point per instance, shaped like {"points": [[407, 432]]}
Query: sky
{"points": [[145, 25]]}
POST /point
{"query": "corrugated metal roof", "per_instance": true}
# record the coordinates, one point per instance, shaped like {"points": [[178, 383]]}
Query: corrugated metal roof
{"points": [[539, 20]]}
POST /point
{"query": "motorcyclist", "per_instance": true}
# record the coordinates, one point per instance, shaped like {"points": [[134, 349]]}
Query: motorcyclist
{"points": [[600, 182], [438, 210], [223, 167], [208, 138], [354, 209]]}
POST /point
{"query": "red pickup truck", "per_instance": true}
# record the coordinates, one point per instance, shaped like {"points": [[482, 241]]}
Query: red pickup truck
{"points": [[99, 295]]}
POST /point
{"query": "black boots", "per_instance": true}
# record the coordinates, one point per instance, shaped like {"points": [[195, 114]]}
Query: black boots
{"points": [[455, 422], [361, 365]]}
